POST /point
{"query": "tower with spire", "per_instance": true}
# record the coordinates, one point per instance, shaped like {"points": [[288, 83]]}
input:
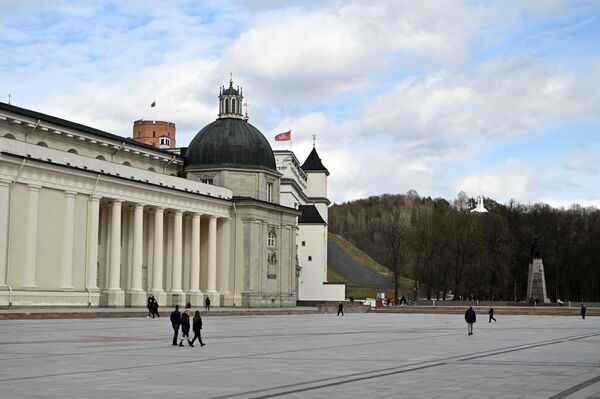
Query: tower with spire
{"points": [[231, 102]]}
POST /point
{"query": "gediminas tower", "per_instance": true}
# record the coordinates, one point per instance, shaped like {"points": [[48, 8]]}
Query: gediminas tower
{"points": [[158, 134]]}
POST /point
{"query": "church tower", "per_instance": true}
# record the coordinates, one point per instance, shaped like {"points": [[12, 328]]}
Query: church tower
{"points": [[231, 102]]}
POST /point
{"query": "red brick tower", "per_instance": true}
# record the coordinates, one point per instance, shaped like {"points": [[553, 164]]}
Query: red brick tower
{"points": [[155, 133]]}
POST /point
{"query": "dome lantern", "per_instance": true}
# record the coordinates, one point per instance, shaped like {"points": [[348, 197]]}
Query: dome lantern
{"points": [[231, 101]]}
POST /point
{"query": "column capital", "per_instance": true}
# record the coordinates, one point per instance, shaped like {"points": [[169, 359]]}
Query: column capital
{"points": [[70, 194], [95, 198], [138, 205], [33, 187], [196, 215], [115, 201], [177, 212], [4, 183]]}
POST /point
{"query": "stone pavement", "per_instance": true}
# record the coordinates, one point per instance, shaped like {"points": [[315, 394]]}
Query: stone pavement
{"points": [[361, 355]]}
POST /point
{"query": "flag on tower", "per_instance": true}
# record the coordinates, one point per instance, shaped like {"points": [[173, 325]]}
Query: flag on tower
{"points": [[285, 136], [153, 104]]}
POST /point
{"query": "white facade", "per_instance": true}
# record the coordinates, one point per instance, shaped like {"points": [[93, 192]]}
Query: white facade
{"points": [[90, 218], [300, 189]]}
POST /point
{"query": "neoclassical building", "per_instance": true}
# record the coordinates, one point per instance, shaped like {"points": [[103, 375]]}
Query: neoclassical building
{"points": [[89, 218]]}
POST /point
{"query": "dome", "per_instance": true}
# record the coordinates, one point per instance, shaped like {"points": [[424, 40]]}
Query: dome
{"points": [[230, 142]]}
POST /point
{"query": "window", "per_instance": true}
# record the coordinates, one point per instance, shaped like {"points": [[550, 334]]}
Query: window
{"points": [[127, 163], [153, 134], [233, 106], [271, 239], [269, 192], [310, 258], [100, 157], [303, 243], [207, 180], [227, 106], [73, 151], [165, 141], [42, 144]]}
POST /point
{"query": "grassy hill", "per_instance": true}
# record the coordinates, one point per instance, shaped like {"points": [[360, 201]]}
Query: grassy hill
{"points": [[364, 277]]}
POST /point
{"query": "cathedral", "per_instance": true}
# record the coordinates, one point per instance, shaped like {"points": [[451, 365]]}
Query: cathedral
{"points": [[90, 218]]}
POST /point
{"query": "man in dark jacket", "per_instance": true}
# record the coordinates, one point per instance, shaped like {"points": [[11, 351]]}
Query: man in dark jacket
{"points": [[470, 318], [207, 303], [491, 313], [340, 308], [175, 322]]}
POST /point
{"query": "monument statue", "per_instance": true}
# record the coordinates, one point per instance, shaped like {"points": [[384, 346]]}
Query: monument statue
{"points": [[536, 281], [535, 248]]}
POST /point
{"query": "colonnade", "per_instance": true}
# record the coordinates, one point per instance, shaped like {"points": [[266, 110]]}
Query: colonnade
{"points": [[122, 273], [127, 287]]}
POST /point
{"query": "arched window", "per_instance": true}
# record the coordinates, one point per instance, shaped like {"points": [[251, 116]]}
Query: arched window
{"points": [[42, 144], [100, 157], [233, 106], [73, 151], [271, 239], [151, 169], [127, 163], [9, 136], [226, 105]]}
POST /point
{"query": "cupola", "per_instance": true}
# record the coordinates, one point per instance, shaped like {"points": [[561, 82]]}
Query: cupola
{"points": [[231, 102]]}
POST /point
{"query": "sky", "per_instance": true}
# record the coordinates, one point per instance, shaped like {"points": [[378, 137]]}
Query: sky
{"points": [[500, 99]]}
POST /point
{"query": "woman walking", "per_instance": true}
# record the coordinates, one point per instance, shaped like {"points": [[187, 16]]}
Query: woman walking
{"points": [[197, 327], [185, 328]]}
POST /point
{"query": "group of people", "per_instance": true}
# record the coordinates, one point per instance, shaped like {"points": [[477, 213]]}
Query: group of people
{"points": [[182, 319]]}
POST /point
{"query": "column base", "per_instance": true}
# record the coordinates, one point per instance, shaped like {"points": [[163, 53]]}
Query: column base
{"points": [[112, 298], [215, 298], [226, 299], [160, 296], [196, 298], [176, 298], [136, 298]]}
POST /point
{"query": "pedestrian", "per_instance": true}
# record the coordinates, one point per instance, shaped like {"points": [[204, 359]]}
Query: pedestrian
{"points": [[402, 300], [207, 303], [340, 308], [491, 313], [470, 318], [175, 323], [155, 307], [185, 328], [197, 327], [150, 306], [583, 311]]}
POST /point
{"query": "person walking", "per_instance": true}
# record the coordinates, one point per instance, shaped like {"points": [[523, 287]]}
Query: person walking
{"points": [[491, 313], [155, 307], [470, 318], [583, 311], [340, 308], [150, 306], [197, 327], [175, 323], [185, 328], [207, 303]]}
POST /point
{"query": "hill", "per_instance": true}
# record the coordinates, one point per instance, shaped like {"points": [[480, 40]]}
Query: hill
{"points": [[364, 277]]}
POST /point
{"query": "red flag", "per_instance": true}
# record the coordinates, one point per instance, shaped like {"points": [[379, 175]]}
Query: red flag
{"points": [[153, 104], [286, 136]]}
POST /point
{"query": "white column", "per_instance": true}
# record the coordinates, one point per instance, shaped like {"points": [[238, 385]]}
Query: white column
{"points": [[136, 296], [195, 264], [138, 235], [32, 222], [212, 256], [92, 242], [224, 240], [67, 263], [114, 282], [4, 215], [157, 266], [177, 245]]}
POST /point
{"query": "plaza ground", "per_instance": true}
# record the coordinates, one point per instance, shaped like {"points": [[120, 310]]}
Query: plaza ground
{"points": [[366, 355]]}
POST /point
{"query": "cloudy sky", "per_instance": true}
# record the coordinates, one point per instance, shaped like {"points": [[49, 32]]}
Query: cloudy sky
{"points": [[494, 98]]}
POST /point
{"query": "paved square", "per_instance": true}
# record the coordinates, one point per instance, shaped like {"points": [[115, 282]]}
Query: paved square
{"points": [[303, 356]]}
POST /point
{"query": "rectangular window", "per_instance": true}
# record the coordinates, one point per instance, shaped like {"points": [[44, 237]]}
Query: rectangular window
{"points": [[207, 181], [310, 258], [269, 192], [303, 243]]}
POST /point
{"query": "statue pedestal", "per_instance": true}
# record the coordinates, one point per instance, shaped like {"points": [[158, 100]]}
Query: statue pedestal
{"points": [[536, 282]]}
